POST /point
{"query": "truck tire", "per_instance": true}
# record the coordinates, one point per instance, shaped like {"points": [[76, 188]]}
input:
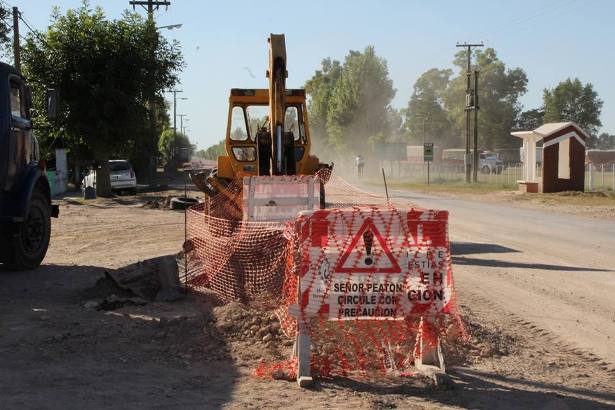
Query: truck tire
{"points": [[28, 240], [182, 202], [485, 169]]}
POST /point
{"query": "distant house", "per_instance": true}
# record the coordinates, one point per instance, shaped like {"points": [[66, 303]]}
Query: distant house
{"points": [[563, 157]]}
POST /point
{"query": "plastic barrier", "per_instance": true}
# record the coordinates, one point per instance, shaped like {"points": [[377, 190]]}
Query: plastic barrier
{"points": [[372, 285], [279, 197]]}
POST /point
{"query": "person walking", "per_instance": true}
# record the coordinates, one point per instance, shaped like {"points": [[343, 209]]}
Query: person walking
{"points": [[359, 163]]}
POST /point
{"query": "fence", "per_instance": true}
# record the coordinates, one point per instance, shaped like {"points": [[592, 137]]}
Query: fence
{"points": [[506, 176], [600, 177]]}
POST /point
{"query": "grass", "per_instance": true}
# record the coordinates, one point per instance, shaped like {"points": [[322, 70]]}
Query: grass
{"points": [[506, 191]]}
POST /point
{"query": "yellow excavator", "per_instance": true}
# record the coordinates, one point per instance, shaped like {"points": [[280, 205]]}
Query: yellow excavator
{"points": [[267, 132]]}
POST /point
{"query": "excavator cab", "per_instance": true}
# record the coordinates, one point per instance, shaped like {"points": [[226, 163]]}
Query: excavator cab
{"points": [[249, 144], [267, 132]]}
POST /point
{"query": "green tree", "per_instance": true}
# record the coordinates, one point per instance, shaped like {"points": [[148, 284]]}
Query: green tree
{"points": [[572, 101], [320, 88], [499, 89], [214, 151], [5, 30], [605, 141], [425, 118], [350, 102], [530, 119], [105, 71], [360, 102], [170, 146]]}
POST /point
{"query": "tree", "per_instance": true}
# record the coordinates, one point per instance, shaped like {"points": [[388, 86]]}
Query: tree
{"points": [[105, 71], [499, 89], [425, 118], [170, 145], [572, 101], [360, 101], [320, 88], [350, 102], [605, 141], [214, 151], [530, 119], [5, 31]]}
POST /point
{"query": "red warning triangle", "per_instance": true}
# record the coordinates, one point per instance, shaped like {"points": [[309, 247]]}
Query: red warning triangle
{"points": [[368, 264]]}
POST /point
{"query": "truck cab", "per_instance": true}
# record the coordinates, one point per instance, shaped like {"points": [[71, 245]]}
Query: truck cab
{"points": [[25, 200]]}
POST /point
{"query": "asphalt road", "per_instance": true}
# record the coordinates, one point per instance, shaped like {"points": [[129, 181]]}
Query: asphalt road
{"points": [[555, 271]]}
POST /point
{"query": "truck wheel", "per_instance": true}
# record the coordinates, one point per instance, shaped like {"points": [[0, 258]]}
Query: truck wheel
{"points": [[29, 239], [485, 170]]}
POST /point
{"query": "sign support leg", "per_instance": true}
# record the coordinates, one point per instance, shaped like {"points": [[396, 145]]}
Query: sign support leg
{"points": [[301, 351], [429, 358]]}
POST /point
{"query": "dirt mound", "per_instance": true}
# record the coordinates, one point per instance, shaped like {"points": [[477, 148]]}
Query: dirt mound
{"points": [[238, 322], [479, 342]]}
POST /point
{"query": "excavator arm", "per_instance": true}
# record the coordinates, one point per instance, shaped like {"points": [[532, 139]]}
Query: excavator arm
{"points": [[277, 86]]}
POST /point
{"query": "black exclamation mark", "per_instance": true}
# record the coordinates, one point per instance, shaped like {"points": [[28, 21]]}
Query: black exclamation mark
{"points": [[368, 240]]}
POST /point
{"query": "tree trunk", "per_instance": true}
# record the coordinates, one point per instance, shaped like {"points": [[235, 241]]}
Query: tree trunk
{"points": [[103, 179]]}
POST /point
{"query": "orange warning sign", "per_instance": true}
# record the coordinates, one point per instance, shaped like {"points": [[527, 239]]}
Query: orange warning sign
{"points": [[362, 256]]}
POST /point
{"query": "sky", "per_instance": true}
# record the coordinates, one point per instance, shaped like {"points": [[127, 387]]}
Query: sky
{"points": [[225, 43]]}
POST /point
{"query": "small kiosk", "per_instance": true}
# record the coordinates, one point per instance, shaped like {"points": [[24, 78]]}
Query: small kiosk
{"points": [[563, 158]]}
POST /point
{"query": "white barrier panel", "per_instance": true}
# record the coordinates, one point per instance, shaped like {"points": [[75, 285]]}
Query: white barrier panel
{"points": [[279, 198], [370, 263]]}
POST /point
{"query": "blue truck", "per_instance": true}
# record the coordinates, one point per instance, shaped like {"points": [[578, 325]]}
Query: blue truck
{"points": [[25, 197]]}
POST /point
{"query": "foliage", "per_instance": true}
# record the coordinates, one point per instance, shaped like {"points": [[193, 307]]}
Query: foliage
{"points": [[530, 119], [213, 152], [605, 141], [5, 31], [425, 118], [106, 70], [499, 89], [170, 145], [572, 101], [320, 88], [350, 102]]}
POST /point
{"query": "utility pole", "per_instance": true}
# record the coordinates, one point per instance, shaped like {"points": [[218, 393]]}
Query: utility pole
{"points": [[476, 108], [181, 121], [470, 104], [16, 45], [150, 6], [175, 115]]}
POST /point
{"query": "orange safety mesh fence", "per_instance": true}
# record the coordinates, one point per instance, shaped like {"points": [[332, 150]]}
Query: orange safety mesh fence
{"points": [[363, 280], [357, 279]]}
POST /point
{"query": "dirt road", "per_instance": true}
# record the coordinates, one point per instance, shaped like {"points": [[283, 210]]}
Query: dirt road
{"points": [[520, 302], [554, 270]]}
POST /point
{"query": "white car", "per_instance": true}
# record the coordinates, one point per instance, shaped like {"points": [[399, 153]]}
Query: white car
{"points": [[122, 176]]}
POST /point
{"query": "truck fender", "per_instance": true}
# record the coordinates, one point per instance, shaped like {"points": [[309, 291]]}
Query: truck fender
{"points": [[33, 179]]}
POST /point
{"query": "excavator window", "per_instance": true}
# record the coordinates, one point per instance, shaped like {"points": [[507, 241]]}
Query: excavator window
{"points": [[291, 122], [257, 117], [238, 125], [244, 153]]}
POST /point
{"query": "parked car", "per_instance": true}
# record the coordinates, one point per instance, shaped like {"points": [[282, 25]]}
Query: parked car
{"points": [[122, 176], [490, 163]]}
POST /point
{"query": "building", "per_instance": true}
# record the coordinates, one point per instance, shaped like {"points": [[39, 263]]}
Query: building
{"points": [[563, 158]]}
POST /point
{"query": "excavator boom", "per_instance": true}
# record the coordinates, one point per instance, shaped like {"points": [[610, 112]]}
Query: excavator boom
{"points": [[277, 86]]}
